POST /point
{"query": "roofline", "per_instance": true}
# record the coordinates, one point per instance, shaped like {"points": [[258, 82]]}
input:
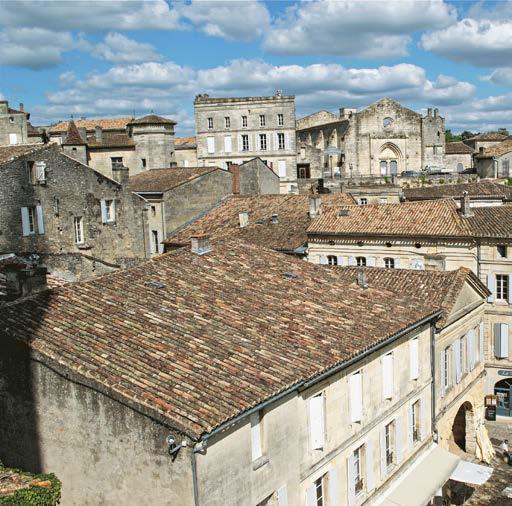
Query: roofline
{"points": [[302, 385], [38, 147], [366, 236]]}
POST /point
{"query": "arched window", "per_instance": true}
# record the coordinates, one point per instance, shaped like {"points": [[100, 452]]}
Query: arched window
{"points": [[332, 259], [389, 263], [361, 261], [460, 167]]}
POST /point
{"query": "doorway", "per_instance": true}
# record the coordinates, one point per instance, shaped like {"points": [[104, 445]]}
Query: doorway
{"points": [[503, 391]]}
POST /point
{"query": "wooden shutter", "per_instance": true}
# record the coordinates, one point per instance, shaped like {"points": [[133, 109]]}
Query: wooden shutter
{"points": [[443, 372], [387, 376], [113, 217], [397, 263], [281, 168], [323, 260], [316, 420], [471, 351], [423, 420], [282, 496], [410, 426], [210, 144], [351, 485], [509, 289], [287, 141], [103, 211], [398, 440], [370, 479], [352, 261], [491, 285], [370, 261], [383, 464], [481, 343], [227, 144], [13, 139], [311, 495], [40, 223], [356, 397], [501, 340], [25, 221], [255, 436], [340, 260], [454, 363], [414, 359], [334, 494]]}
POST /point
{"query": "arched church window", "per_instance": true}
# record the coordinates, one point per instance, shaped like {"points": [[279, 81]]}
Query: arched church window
{"points": [[387, 122]]}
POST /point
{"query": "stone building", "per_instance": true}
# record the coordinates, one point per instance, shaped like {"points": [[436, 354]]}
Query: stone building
{"points": [[432, 235], [494, 161], [235, 130], [485, 140], [208, 404], [383, 139], [138, 144], [185, 151], [79, 222], [458, 157], [13, 124]]}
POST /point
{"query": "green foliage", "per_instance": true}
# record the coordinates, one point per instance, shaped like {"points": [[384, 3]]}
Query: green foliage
{"points": [[508, 181], [441, 181], [34, 495], [503, 131]]}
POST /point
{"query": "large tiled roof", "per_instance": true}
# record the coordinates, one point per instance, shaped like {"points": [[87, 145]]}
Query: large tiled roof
{"points": [[152, 119], [161, 180], [496, 150], [436, 218], [491, 222], [441, 288], [9, 153], [488, 136], [457, 148], [73, 137], [185, 142], [110, 140], [287, 235], [483, 189], [196, 340], [91, 124]]}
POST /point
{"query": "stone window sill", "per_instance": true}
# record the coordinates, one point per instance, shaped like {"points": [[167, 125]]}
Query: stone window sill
{"points": [[83, 246], [260, 462]]}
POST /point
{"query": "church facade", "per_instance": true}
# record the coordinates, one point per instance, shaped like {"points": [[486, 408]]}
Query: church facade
{"points": [[384, 139]]}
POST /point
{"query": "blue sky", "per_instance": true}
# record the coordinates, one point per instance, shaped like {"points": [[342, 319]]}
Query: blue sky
{"points": [[98, 59]]}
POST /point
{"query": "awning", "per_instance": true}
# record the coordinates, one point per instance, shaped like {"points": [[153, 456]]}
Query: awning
{"points": [[420, 483], [473, 474]]}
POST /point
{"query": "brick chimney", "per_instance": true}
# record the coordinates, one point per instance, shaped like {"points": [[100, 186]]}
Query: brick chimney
{"points": [[121, 174], [315, 201], [22, 281], [98, 133], [465, 205], [200, 244], [235, 175]]}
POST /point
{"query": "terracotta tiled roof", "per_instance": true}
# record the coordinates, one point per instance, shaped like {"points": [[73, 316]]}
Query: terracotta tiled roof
{"points": [[73, 137], [161, 180], [483, 189], [433, 218], [152, 119], [9, 153], [185, 142], [441, 288], [111, 140], [457, 148], [287, 235], [491, 222], [496, 150], [488, 136], [91, 124], [196, 340]]}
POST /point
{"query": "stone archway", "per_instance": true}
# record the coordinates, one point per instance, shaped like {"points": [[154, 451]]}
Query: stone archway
{"points": [[463, 428], [390, 159], [503, 392]]}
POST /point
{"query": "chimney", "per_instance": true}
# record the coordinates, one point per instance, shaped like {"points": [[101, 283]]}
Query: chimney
{"points": [[98, 133], [235, 174], [321, 185], [361, 279], [274, 219], [315, 201], [243, 218], [465, 205], [121, 174], [481, 150], [429, 112], [22, 107], [83, 133], [436, 113], [200, 244], [22, 281]]}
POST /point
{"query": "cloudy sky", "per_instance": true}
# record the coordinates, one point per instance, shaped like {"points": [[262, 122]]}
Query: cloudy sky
{"points": [[113, 58]]}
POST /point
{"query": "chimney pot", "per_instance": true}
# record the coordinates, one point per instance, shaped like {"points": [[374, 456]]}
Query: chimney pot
{"points": [[315, 201], [465, 205], [121, 174], [98, 133], [361, 279], [200, 244], [235, 175], [243, 217]]}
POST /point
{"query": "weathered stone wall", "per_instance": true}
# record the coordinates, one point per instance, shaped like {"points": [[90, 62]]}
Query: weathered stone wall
{"points": [[433, 140], [317, 118], [103, 451], [100, 160], [452, 161], [307, 154], [258, 179], [155, 143], [186, 157], [12, 123]]}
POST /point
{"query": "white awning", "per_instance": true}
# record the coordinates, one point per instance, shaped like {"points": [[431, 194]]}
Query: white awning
{"points": [[474, 474], [421, 482]]}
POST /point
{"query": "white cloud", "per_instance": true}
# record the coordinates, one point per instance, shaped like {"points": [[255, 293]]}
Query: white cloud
{"points": [[355, 28], [484, 43], [117, 48], [502, 77]]}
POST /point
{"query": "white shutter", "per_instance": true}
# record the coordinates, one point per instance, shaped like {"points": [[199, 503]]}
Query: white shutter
{"points": [[287, 141], [481, 343], [356, 397], [397, 263], [13, 139], [414, 359], [352, 261], [227, 144], [370, 261], [491, 285], [334, 494], [379, 262], [323, 260], [340, 260], [509, 289], [383, 464], [40, 224], [103, 211], [351, 485], [454, 363], [211, 144], [410, 426], [387, 376], [255, 436], [398, 439], [25, 221], [443, 372], [471, 351], [113, 209], [311, 495], [501, 340], [423, 421], [316, 420], [458, 368], [370, 480], [281, 168], [282, 496], [40, 172]]}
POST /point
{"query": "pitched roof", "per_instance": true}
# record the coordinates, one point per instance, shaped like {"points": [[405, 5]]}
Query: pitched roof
{"points": [[288, 234], [496, 150], [441, 288], [483, 189], [9, 153], [458, 148], [91, 124], [491, 222], [73, 137], [488, 136], [110, 140], [161, 180], [185, 142], [433, 218], [152, 119], [196, 340]]}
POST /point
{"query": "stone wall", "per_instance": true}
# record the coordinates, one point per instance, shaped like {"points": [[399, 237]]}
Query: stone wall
{"points": [[12, 123], [100, 160], [155, 144], [186, 157], [256, 178], [452, 161], [315, 119]]}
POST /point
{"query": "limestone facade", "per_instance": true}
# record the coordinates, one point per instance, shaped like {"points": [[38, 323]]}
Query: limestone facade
{"points": [[13, 125]]}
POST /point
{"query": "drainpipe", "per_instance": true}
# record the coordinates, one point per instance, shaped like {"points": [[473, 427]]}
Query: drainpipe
{"points": [[478, 259], [433, 372], [194, 476]]}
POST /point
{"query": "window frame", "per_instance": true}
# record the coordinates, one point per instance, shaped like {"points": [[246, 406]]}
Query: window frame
{"points": [[332, 259], [389, 262], [389, 443], [245, 142], [244, 121], [210, 123], [361, 261], [502, 250], [78, 227], [263, 120], [416, 421], [502, 287], [227, 122], [363, 201], [281, 145], [263, 142], [280, 119], [446, 359]]}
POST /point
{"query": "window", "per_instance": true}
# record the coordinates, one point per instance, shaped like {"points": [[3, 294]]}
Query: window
{"points": [[389, 263], [244, 121], [415, 422], [13, 139], [356, 396], [357, 457], [28, 220], [502, 250], [361, 261], [387, 376], [210, 142], [79, 229], [414, 359], [363, 201], [116, 161], [316, 421], [280, 119], [210, 123], [256, 436], [153, 211], [245, 143], [108, 211], [280, 141], [320, 491], [263, 142], [143, 160], [387, 122], [154, 237], [502, 286], [505, 168], [332, 260], [227, 122], [281, 168], [389, 441], [262, 120], [11, 119], [383, 200]]}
